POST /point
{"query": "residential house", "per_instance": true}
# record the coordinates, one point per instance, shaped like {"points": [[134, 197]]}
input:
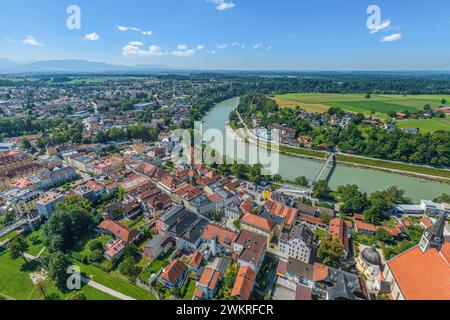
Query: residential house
{"points": [[296, 272], [208, 284], [244, 284], [335, 284], [298, 244], [304, 209], [250, 249], [46, 205], [173, 275], [119, 231], [221, 240], [338, 230], [312, 222], [259, 225], [159, 245], [289, 214], [115, 251]]}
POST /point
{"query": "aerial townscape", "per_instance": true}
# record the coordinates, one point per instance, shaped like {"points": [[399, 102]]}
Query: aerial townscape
{"points": [[108, 193]]}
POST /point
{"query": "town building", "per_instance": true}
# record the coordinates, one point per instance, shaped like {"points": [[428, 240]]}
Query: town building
{"points": [[423, 272], [46, 205], [298, 244], [244, 284], [250, 249]]}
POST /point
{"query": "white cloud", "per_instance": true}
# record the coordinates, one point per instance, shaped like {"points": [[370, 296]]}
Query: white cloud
{"points": [[91, 37], [184, 51], [222, 46], [136, 43], [386, 24], [269, 48], [134, 49], [222, 5], [122, 28], [147, 33], [258, 45], [32, 42], [238, 44], [392, 37], [213, 52]]}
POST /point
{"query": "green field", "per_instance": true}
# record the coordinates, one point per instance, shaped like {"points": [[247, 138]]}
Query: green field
{"points": [[16, 283], [426, 125], [381, 104]]}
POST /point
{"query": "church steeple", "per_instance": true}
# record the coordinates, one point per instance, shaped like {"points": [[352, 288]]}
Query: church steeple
{"points": [[434, 236]]}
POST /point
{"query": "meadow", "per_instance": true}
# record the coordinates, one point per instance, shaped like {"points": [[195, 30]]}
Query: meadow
{"points": [[381, 104], [426, 125]]}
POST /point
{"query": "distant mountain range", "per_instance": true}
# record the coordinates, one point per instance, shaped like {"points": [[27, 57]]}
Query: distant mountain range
{"points": [[73, 66]]}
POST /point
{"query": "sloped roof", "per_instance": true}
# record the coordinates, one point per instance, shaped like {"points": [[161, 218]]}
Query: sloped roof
{"points": [[422, 276], [245, 281]]}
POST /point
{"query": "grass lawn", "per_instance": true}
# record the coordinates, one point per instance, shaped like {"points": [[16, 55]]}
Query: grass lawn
{"points": [[8, 236], [380, 103], [160, 263], [190, 290], [426, 125], [304, 152], [394, 165], [115, 281], [35, 248], [16, 283]]}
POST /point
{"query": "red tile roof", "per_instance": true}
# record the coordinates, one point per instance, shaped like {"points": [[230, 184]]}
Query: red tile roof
{"points": [[289, 214], [337, 229], [224, 236], [365, 226], [247, 205], [209, 278], [312, 220], [196, 259], [119, 230], [406, 222], [174, 271], [243, 286], [257, 221], [426, 222], [422, 276], [320, 272]]}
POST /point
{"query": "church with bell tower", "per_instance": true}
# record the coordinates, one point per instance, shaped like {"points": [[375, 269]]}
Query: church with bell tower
{"points": [[422, 272]]}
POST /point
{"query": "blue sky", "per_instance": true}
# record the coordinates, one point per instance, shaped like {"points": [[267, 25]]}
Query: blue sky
{"points": [[232, 34]]}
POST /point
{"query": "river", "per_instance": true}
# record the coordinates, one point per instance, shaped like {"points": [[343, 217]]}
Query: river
{"points": [[291, 167]]}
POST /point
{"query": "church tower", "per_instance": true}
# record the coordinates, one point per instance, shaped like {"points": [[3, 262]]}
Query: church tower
{"points": [[434, 236]]}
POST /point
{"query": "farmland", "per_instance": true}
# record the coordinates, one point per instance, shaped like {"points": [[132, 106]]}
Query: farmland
{"points": [[426, 125], [381, 104]]}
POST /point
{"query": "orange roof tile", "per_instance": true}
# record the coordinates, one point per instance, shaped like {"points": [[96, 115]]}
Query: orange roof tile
{"points": [[196, 259], [289, 214], [365, 226], [422, 276], [320, 272], [311, 219], [174, 271], [224, 236], [119, 230], [243, 286], [426, 222], [337, 230], [257, 221]]}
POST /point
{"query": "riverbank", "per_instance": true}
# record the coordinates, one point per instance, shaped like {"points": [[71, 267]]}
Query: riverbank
{"points": [[368, 179], [422, 172]]}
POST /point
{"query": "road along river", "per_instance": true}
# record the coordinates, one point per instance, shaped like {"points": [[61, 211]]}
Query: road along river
{"points": [[290, 167]]}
